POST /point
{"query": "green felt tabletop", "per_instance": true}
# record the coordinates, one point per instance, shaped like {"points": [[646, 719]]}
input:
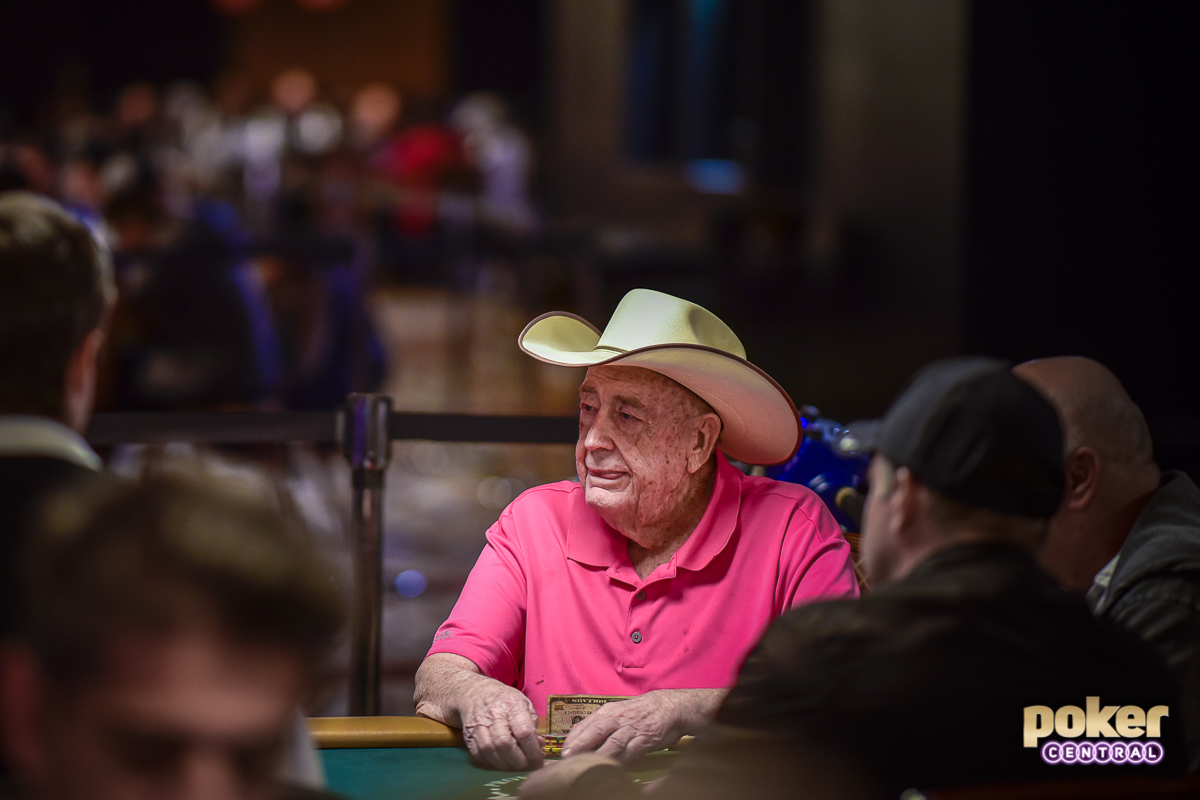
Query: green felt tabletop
{"points": [[435, 773]]}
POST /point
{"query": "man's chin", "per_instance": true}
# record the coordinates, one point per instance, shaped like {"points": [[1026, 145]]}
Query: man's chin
{"points": [[602, 499]]}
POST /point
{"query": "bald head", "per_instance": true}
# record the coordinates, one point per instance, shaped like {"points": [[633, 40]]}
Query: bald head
{"points": [[1109, 461], [1096, 410]]}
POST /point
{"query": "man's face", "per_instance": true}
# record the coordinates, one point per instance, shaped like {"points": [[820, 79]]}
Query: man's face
{"points": [[1070, 552], [635, 431], [878, 544], [192, 716]]}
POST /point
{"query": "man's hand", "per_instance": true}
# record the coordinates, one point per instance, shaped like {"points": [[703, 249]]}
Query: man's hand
{"points": [[500, 726], [555, 781], [498, 722], [628, 728]]}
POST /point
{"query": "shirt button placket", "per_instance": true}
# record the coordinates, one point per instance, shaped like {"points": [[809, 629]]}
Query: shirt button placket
{"points": [[636, 654]]}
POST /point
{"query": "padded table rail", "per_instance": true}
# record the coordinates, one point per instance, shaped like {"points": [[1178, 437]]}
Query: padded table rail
{"points": [[334, 733]]}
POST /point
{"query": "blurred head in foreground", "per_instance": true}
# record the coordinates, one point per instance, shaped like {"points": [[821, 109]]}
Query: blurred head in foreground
{"points": [[170, 630], [1109, 456], [968, 452], [56, 292]]}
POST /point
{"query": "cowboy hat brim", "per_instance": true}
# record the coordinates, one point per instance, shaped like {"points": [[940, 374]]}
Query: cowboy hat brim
{"points": [[760, 424]]}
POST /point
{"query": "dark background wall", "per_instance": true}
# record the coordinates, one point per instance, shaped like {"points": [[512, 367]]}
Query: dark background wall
{"points": [[102, 46], [1081, 232]]}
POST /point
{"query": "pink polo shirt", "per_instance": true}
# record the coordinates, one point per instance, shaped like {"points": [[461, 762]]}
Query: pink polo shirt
{"points": [[554, 606]]}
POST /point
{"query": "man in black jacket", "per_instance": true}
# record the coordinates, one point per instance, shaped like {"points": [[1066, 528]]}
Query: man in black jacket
{"points": [[1126, 534], [968, 664], [56, 292]]}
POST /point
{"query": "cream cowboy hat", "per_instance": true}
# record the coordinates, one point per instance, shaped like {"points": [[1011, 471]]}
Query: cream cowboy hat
{"points": [[690, 345]]}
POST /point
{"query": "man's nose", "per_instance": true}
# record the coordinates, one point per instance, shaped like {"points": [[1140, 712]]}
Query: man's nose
{"points": [[209, 774], [598, 434]]}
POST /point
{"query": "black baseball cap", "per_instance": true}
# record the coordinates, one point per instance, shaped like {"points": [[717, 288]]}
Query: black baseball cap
{"points": [[971, 430]]}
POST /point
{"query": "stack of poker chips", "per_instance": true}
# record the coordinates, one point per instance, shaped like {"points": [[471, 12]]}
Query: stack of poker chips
{"points": [[552, 745]]}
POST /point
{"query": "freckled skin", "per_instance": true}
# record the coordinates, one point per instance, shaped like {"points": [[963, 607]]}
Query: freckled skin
{"points": [[644, 456], [645, 460]]}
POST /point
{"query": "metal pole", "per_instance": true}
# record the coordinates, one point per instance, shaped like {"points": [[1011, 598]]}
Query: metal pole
{"points": [[363, 433]]}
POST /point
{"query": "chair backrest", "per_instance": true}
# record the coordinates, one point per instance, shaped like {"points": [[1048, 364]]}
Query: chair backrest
{"points": [[855, 540]]}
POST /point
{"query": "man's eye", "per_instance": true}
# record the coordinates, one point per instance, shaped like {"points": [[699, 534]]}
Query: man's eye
{"points": [[587, 409], [148, 754], [257, 762], [626, 415]]}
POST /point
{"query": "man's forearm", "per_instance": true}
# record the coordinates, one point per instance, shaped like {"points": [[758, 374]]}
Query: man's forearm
{"points": [[697, 707], [441, 682]]}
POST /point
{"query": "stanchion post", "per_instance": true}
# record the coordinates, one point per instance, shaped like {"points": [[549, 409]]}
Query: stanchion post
{"points": [[363, 435]]}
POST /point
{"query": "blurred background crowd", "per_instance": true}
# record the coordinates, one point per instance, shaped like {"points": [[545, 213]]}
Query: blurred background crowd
{"points": [[247, 238], [311, 197]]}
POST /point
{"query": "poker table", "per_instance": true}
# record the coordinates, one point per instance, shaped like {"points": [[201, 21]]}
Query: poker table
{"points": [[412, 758]]}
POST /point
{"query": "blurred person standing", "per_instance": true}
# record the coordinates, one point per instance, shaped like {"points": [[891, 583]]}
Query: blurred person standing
{"points": [[56, 293], [196, 330], [374, 112], [171, 628], [417, 166], [502, 154]]}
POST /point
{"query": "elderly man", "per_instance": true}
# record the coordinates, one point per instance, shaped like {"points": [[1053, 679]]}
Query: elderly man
{"points": [[173, 628], [1125, 533], [652, 576], [952, 671]]}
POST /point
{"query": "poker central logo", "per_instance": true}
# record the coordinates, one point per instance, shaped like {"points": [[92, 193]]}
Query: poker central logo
{"points": [[1095, 724]]}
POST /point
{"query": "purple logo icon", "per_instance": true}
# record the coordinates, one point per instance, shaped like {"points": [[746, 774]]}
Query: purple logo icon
{"points": [[1102, 752]]}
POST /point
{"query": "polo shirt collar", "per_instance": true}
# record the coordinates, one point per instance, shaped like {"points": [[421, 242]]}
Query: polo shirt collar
{"points": [[42, 436], [591, 541]]}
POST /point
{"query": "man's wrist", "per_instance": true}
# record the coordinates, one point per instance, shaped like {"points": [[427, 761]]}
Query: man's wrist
{"points": [[695, 708]]}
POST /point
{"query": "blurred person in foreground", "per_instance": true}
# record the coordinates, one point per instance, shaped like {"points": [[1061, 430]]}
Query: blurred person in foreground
{"points": [[171, 629], [56, 294], [924, 682], [1126, 534], [651, 577], [56, 297]]}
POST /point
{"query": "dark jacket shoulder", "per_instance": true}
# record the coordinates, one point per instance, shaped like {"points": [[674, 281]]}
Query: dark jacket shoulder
{"points": [[25, 482], [950, 655], [1164, 543], [1155, 590]]}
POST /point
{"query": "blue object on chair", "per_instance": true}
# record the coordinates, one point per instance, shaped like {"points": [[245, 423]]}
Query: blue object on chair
{"points": [[822, 466]]}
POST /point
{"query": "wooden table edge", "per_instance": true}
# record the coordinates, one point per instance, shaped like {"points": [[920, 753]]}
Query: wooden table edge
{"points": [[332, 733]]}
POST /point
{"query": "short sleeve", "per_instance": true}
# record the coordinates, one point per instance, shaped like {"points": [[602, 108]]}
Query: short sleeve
{"points": [[816, 562], [487, 624]]}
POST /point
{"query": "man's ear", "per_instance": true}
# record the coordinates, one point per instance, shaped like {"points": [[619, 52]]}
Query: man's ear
{"points": [[708, 430], [79, 384], [906, 500], [1083, 478], [22, 710]]}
